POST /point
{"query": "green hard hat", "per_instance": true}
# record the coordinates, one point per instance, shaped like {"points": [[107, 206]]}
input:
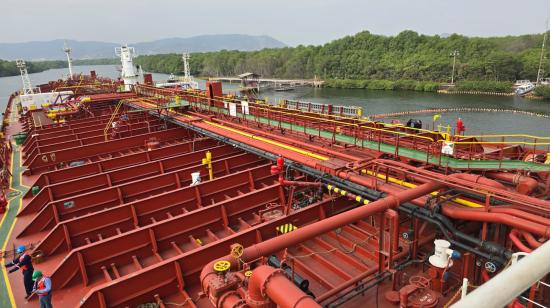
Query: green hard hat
{"points": [[36, 275]]}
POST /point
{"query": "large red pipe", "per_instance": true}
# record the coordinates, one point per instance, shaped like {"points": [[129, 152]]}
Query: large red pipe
{"points": [[479, 179], [519, 213], [524, 184], [422, 175], [316, 229], [511, 214], [481, 215], [531, 239], [514, 237], [273, 283]]}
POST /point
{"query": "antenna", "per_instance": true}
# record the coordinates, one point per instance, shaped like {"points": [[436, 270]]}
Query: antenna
{"points": [[68, 51], [27, 86], [186, 72], [540, 73]]}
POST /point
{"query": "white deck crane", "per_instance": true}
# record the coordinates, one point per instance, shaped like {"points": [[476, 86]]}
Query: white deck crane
{"points": [[68, 51], [27, 86]]}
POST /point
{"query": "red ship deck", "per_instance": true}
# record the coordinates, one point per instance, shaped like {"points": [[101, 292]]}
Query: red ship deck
{"points": [[114, 219]]}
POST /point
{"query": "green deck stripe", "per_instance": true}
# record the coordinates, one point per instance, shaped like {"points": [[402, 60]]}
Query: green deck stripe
{"points": [[13, 208]]}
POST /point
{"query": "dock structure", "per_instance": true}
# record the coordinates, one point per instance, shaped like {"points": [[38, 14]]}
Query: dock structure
{"points": [[247, 79]]}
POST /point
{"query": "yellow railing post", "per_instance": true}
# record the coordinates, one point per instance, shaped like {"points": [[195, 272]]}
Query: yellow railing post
{"points": [[207, 160]]}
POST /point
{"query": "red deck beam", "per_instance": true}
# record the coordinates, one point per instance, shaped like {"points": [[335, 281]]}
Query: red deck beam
{"points": [[54, 212], [72, 124], [139, 213], [76, 126], [65, 142], [80, 133], [49, 160], [103, 180], [172, 236], [66, 129], [130, 290], [105, 165]]}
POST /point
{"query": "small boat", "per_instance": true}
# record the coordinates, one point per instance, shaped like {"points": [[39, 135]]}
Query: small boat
{"points": [[520, 83], [284, 89], [525, 89]]}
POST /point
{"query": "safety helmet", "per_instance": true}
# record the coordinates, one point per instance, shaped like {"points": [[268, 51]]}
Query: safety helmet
{"points": [[36, 275], [20, 248]]}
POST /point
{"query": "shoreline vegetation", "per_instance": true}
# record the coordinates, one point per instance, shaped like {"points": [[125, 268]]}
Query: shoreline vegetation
{"points": [[407, 61], [9, 68], [542, 92], [423, 86]]}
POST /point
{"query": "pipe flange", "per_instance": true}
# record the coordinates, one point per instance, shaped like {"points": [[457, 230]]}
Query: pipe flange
{"points": [[222, 299], [266, 281], [396, 200]]}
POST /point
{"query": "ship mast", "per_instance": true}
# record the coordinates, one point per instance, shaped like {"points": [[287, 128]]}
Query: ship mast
{"points": [[68, 51], [27, 86], [540, 73]]}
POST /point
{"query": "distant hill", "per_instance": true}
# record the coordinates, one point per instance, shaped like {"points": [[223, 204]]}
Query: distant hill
{"points": [[52, 50]]}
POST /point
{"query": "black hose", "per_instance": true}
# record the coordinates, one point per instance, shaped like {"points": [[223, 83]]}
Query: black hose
{"points": [[488, 250]]}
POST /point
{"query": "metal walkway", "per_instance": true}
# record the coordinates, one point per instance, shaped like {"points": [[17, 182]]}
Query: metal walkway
{"points": [[17, 190], [444, 161]]}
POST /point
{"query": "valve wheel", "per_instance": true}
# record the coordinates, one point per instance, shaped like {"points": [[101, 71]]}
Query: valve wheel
{"points": [[490, 267], [237, 251], [420, 281], [222, 266], [248, 274]]}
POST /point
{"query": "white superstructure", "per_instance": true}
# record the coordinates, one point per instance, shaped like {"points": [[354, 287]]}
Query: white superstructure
{"points": [[129, 73]]}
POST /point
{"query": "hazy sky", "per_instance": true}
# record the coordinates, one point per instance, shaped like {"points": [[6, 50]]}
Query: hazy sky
{"points": [[291, 21]]}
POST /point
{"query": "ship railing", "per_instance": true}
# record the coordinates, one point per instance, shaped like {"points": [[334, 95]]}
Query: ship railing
{"points": [[361, 132], [352, 130]]}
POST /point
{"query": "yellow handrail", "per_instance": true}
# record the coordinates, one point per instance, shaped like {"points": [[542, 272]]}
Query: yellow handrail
{"points": [[113, 115], [503, 135], [499, 142]]}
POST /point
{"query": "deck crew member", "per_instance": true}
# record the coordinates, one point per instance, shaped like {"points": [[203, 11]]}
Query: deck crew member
{"points": [[460, 128], [43, 288], [23, 261]]}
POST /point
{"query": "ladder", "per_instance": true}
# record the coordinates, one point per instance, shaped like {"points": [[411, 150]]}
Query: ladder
{"points": [[113, 116]]}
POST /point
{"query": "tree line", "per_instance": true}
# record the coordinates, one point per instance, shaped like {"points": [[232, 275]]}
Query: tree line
{"points": [[363, 60], [366, 56], [9, 68]]}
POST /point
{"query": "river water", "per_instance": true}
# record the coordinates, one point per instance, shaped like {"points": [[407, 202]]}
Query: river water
{"points": [[373, 102]]}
